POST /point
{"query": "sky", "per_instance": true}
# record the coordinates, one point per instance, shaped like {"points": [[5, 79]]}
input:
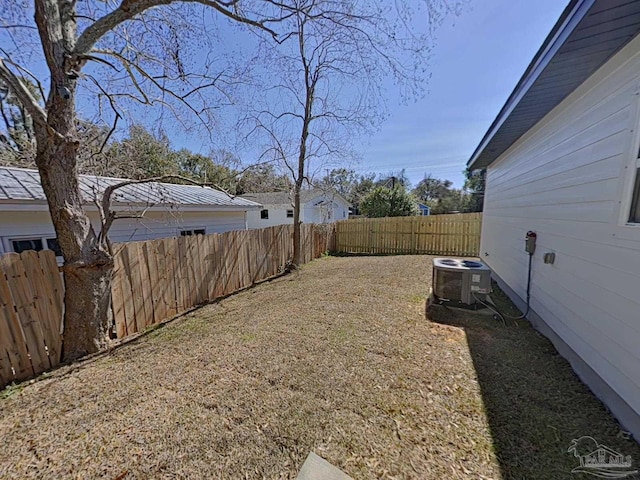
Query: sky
{"points": [[477, 60]]}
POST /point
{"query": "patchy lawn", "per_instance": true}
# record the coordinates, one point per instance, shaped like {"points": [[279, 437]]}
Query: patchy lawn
{"points": [[338, 359]]}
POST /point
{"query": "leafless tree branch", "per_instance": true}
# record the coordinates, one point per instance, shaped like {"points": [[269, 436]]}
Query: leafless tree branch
{"points": [[128, 9], [22, 93], [116, 115]]}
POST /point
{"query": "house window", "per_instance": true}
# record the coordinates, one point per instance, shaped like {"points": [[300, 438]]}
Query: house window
{"points": [[24, 244], [195, 231], [52, 244], [20, 245], [264, 214], [289, 213]]}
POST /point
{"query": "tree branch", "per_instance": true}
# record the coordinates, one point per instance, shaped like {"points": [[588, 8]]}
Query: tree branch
{"points": [[116, 113], [107, 216], [23, 94], [108, 192], [128, 9]]}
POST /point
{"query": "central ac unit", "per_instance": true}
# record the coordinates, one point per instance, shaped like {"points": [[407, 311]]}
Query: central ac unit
{"points": [[460, 282]]}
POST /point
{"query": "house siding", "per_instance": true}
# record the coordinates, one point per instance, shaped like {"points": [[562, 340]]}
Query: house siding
{"points": [[566, 180], [156, 224], [334, 211], [277, 216], [309, 213]]}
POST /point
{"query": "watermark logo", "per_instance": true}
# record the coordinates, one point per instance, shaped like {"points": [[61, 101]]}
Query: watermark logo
{"points": [[599, 460]]}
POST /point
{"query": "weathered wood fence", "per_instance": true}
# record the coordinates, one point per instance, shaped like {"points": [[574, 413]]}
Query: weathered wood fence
{"points": [[31, 294], [456, 234], [153, 281], [158, 279]]}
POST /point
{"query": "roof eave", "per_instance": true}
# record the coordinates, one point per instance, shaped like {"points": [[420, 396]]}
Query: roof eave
{"points": [[570, 18]]}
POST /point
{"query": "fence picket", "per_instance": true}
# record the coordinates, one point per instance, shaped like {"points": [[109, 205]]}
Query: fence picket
{"points": [[14, 342], [43, 309], [118, 296], [23, 297], [456, 234]]}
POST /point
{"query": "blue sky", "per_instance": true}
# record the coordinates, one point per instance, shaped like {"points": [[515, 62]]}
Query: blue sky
{"points": [[478, 58], [476, 61]]}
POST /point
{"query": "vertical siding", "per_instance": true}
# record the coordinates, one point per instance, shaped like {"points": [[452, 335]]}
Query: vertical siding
{"points": [[563, 180]]}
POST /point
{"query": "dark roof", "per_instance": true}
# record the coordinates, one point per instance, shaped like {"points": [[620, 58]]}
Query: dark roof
{"points": [[286, 198], [22, 184], [588, 33]]}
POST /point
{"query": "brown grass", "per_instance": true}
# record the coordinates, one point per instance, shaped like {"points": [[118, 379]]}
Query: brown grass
{"points": [[337, 359]]}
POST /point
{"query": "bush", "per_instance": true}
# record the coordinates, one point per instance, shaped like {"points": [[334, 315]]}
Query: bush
{"points": [[389, 202]]}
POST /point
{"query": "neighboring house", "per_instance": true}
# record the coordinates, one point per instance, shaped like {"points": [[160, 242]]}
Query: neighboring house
{"points": [[169, 210], [424, 209], [563, 160], [316, 206]]}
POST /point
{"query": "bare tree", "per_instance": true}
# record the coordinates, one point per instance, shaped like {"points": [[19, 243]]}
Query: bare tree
{"points": [[327, 84], [126, 53]]}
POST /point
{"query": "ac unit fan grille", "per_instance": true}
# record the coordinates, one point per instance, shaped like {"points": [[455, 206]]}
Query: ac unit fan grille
{"points": [[448, 285]]}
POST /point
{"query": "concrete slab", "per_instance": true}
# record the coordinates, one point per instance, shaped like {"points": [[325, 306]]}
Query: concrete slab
{"points": [[317, 468]]}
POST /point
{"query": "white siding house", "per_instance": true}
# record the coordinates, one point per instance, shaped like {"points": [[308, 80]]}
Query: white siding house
{"points": [[169, 210], [562, 161], [317, 206]]}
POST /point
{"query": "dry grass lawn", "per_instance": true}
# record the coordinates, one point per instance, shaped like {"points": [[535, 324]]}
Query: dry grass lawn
{"points": [[338, 359]]}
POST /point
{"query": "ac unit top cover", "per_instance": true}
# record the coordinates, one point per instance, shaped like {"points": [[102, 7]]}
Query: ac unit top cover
{"points": [[457, 264]]}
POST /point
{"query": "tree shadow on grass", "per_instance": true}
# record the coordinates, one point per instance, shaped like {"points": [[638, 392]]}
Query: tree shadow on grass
{"points": [[534, 402]]}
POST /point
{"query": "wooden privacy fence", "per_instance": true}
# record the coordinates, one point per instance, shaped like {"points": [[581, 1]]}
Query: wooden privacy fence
{"points": [[31, 294], [152, 281], [158, 279], [455, 234]]}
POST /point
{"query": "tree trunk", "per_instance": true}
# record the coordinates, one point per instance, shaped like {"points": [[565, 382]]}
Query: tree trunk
{"points": [[87, 308], [310, 84], [87, 265], [296, 226]]}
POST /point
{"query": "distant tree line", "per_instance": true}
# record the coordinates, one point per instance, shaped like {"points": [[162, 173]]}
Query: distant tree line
{"points": [[142, 154], [377, 195]]}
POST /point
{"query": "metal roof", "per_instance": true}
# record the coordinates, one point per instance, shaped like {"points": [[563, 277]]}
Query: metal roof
{"points": [[286, 198], [588, 33], [22, 184]]}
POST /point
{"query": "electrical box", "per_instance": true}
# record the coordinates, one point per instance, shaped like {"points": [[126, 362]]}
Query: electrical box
{"points": [[530, 242], [460, 281]]}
